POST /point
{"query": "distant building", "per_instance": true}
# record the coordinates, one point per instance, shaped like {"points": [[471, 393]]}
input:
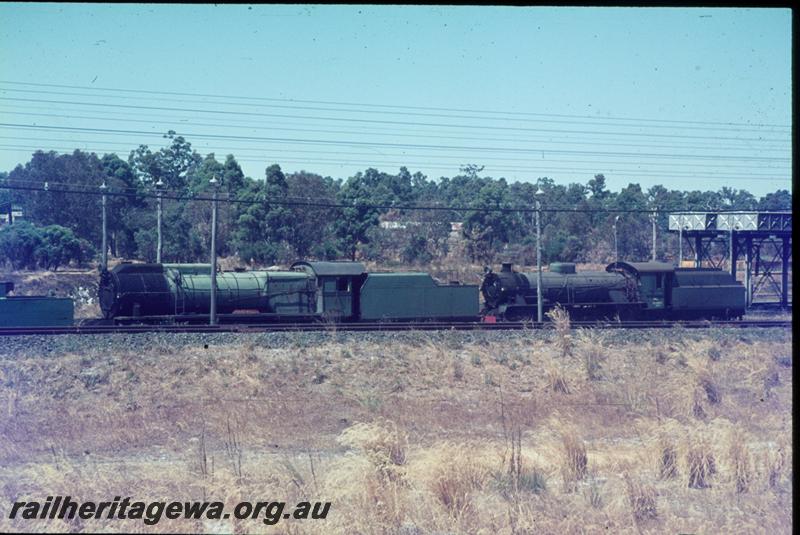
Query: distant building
{"points": [[394, 224], [10, 213]]}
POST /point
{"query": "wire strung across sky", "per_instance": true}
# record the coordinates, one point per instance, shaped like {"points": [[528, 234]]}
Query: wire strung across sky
{"points": [[384, 106], [371, 121], [360, 138], [772, 176], [295, 201], [395, 145], [17, 110]]}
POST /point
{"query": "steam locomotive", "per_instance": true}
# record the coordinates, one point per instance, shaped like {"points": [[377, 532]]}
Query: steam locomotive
{"points": [[346, 291], [628, 290]]}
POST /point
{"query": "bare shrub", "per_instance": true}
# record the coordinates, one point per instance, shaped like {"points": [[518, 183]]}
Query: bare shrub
{"points": [[382, 443], [700, 465], [575, 461], [710, 387], [233, 447], [557, 381], [714, 353], [667, 460], [593, 495], [642, 499], [775, 466], [741, 463], [771, 378], [561, 322], [456, 478], [518, 476], [593, 355], [696, 404], [458, 368]]}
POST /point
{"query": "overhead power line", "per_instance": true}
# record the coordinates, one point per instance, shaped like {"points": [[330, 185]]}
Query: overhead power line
{"points": [[596, 121], [397, 145], [169, 122], [385, 106], [268, 153], [492, 168], [368, 121], [79, 143]]}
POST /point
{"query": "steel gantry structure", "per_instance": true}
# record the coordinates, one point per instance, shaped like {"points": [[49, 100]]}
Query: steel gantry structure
{"points": [[762, 239]]}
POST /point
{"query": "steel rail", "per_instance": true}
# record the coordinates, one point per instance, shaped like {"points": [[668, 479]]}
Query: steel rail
{"points": [[378, 327]]}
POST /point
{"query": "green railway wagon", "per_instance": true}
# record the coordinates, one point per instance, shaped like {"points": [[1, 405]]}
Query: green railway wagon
{"points": [[34, 311], [416, 296]]}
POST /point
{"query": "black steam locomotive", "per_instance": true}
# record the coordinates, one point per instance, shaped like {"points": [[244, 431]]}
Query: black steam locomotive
{"points": [[628, 290]]}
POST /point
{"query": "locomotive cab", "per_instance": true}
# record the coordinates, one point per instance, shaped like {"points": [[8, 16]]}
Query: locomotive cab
{"points": [[650, 282], [338, 285], [679, 293]]}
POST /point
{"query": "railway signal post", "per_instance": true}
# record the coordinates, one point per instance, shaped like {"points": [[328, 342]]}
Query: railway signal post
{"points": [[212, 317]]}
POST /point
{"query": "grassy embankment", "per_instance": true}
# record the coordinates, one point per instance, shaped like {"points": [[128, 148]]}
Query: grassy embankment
{"points": [[669, 431]]}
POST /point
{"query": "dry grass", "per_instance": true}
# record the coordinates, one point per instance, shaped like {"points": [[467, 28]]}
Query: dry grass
{"points": [[701, 466], [741, 463], [667, 460], [642, 499], [561, 323], [574, 464], [411, 437]]}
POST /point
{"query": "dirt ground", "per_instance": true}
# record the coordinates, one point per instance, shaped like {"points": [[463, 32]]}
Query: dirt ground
{"points": [[574, 432]]}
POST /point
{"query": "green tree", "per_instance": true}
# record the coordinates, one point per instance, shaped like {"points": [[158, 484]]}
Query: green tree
{"points": [[361, 193], [19, 243], [79, 171], [312, 230], [173, 164], [778, 201], [487, 231], [263, 222], [59, 246]]}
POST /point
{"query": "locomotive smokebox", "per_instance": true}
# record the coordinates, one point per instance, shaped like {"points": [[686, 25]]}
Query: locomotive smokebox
{"points": [[135, 289]]}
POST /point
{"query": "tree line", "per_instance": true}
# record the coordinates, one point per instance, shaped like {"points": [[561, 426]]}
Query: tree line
{"points": [[265, 230]]}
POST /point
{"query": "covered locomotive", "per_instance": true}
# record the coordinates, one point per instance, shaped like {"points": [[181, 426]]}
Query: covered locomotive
{"points": [[308, 291], [629, 290]]}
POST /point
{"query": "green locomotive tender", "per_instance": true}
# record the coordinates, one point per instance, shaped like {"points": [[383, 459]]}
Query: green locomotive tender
{"points": [[342, 291], [34, 310]]}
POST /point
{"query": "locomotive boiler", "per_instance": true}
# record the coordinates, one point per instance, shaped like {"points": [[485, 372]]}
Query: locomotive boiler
{"points": [[181, 292]]}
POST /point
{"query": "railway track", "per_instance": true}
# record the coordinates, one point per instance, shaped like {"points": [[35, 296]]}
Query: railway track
{"points": [[372, 327]]}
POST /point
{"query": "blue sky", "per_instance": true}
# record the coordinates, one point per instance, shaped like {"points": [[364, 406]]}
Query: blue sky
{"points": [[689, 98]]}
